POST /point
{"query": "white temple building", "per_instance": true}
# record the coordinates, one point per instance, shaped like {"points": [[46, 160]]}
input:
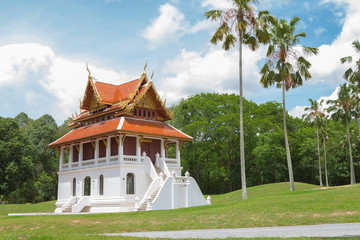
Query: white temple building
{"points": [[115, 157]]}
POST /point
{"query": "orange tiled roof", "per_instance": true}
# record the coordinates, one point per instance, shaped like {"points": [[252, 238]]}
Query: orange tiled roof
{"points": [[114, 93], [125, 125], [88, 132], [153, 128]]}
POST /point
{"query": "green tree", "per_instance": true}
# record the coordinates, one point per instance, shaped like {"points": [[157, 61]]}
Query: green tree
{"points": [[239, 24], [342, 109], [286, 67], [314, 117], [353, 73]]}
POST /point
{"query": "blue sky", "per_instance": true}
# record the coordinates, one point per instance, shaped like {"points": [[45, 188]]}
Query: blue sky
{"points": [[44, 47]]}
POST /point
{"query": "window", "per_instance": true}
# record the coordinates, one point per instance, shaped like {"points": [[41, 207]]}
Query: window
{"points": [[108, 117], [74, 187], [144, 113], [101, 185], [130, 183], [97, 119], [153, 114], [87, 185], [149, 114], [135, 112], [92, 121], [113, 115], [102, 118]]}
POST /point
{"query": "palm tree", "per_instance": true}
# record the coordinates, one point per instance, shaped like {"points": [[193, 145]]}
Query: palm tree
{"points": [[324, 136], [286, 67], [239, 24], [353, 73], [355, 92], [314, 117], [342, 109]]}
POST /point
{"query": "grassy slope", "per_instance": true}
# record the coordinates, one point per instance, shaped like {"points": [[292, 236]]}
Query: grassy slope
{"points": [[268, 205]]}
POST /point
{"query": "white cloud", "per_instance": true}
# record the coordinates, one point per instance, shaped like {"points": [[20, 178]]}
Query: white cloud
{"points": [[213, 71], [298, 111], [217, 4], [319, 31], [30, 98], [168, 27], [203, 25], [16, 60], [64, 79]]}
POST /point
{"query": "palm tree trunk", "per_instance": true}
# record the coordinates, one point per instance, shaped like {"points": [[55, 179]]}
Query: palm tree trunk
{"points": [[318, 145], [359, 120], [288, 156], [242, 148], [352, 172], [326, 175]]}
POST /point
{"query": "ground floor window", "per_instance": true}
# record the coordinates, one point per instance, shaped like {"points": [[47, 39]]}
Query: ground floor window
{"points": [[74, 187], [87, 185], [101, 185], [130, 183]]}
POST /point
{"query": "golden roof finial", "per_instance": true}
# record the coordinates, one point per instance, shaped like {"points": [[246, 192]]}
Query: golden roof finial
{"points": [[87, 68], [152, 75], [145, 65]]}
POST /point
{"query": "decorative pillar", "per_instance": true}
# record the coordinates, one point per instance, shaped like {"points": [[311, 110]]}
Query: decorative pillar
{"points": [[178, 152], [108, 150], [138, 149], [162, 149], [187, 174], [80, 154], [71, 156], [121, 149], [61, 160], [96, 153], [173, 174]]}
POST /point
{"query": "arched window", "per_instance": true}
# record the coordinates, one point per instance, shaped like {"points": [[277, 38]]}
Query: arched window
{"points": [[74, 187], [130, 183], [101, 185], [87, 185]]}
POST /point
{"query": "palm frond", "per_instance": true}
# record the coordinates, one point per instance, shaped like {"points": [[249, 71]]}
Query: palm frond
{"points": [[356, 46], [310, 51], [346, 59], [294, 21], [229, 42], [348, 73], [214, 14]]}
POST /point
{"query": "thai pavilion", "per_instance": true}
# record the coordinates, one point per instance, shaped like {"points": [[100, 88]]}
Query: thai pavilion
{"points": [[115, 157]]}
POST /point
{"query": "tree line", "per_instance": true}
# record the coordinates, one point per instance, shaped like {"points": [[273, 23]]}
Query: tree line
{"points": [[28, 167], [28, 171], [213, 157]]}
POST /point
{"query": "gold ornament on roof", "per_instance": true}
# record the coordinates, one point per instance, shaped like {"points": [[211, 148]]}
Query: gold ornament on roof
{"points": [[87, 68], [145, 65], [152, 74]]}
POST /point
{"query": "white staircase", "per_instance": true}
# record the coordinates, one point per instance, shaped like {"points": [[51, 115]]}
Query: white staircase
{"points": [[143, 206]]}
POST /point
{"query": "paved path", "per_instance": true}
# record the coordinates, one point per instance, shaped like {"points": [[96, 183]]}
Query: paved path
{"points": [[323, 230]]}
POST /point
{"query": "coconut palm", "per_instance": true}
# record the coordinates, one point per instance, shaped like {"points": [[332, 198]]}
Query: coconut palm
{"points": [[286, 67], [342, 109], [353, 73], [239, 24], [314, 117], [324, 135]]}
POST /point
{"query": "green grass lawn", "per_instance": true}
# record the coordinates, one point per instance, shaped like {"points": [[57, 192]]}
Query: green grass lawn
{"points": [[268, 205]]}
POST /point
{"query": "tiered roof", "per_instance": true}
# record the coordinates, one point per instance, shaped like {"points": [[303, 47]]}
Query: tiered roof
{"points": [[120, 100]]}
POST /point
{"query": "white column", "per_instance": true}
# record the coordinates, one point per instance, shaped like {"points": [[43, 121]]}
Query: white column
{"points": [[80, 154], [121, 149], [162, 149], [187, 189], [178, 152], [61, 160], [108, 150], [71, 156], [96, 153], [138, 149]]}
